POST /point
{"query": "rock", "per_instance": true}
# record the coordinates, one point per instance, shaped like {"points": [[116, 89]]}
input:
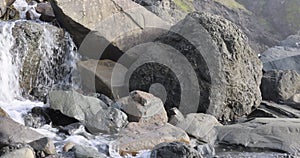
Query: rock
{"points": [[200, 126], [58, 118], [92, 112], [46, 12], [294, 101], [279, 86], [144, 108], [224, 82], [281, 58], [96, 76], [136, 137], [3, 113], [102, 17], [23, 152], [273, 110], [7, 10], [44, 144], [264, 133], [68, 146], [176, 116], [36, 118], [207, 150], [39, 73], [10, 132], [85, 151], [174, 150]]}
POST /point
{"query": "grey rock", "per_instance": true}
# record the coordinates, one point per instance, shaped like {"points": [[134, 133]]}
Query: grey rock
{"points": [[144, 108], [279, 86], [36, 118], [92, 112], [174, 150], [274, 110], [207, 150], [224, 76], [46, 11], [280, 134], [23, 152], [136, 137], [44, 144], [281, 58], [13, 132], [86, 151], [200, 126], [39, 73], [100, 18], [294, 101], [176, 116]]}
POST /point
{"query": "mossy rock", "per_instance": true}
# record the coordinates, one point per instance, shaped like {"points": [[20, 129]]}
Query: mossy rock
{"points": [[184, 5]]}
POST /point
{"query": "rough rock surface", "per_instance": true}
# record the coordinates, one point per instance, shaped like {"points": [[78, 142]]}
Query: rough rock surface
{"points": [[23, 152], [101, 17], [92, 112], [86, 151], [44, 144], [144, 108], [10, 132], [279, 86], [224, 76], [136, 137], [39, 72], [200, 126], [265, 133], [174, 150]]}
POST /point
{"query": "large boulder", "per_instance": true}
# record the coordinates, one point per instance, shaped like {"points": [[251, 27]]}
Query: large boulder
{"points": [[203, 64], [13, 132], [41, 51], [91, 23], [136, 137], [200, 126], [279, 86], [264, 133], [92, 112], [144, 108]]}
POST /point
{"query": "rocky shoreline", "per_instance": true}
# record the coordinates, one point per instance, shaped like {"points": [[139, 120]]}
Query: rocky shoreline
{"points": [[157, 79]]}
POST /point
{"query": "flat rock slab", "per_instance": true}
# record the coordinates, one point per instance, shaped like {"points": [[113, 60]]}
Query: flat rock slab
{"points": [[135, 138], [266, 133], [13, 132]]}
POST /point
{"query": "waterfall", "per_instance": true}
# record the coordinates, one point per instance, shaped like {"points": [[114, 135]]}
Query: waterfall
{"points": [[34, 64]]}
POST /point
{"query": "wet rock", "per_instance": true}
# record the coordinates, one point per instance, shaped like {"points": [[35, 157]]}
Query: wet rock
{"points": [[174, 150], [264, 133], [279, 86], [207, 150], [42, 62], [46, 12], [3, 113], [44, 144], [144, 108], [36, 118], [86, 151], [200, 126], [58, 118], [176, 116], [92, 112], [23, 152], [11, 132], [136, 137]]}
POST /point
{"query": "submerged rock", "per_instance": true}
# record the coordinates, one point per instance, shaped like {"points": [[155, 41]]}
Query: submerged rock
{"points": [[92, 112], [174, 150], [264, 133], [144, 108], [136, 137]]}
